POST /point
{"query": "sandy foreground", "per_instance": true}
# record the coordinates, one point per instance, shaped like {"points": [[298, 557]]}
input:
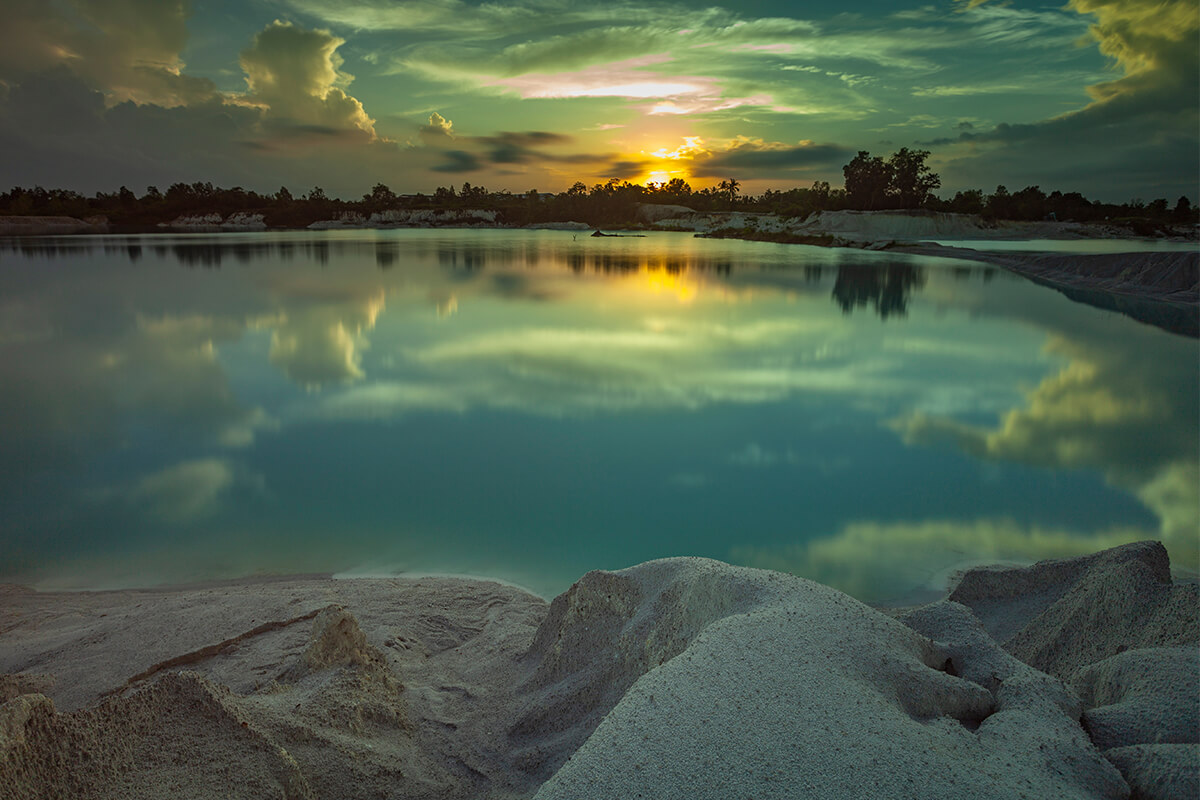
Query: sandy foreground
{"points": [[679, 678]]}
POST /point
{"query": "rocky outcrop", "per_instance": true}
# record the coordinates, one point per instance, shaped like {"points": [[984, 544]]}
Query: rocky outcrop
{"points": [[405, 218], [786, 688], [213, 222], [1125, 635]]}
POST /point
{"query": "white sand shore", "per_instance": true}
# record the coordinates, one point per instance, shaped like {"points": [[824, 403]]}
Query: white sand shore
{"points": [[676, 678]]}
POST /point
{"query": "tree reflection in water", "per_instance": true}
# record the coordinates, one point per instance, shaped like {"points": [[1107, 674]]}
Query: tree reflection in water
{"points": [[885, 288]]}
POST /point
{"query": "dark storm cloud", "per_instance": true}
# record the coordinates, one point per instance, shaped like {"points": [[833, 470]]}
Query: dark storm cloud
{"points": [[458, 161], [520, 148], [802, 156], [1139, 133]]}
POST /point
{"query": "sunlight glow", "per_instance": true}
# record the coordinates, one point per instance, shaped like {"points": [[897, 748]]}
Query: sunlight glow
{"points": [[692, 147], [659, 281]]}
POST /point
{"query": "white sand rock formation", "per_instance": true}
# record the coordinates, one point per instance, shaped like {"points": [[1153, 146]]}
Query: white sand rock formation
{"points": [[683, 677], [1060, 616], [244, 221], [1145, 696], [1125, 635], [199, 223], [410, 218], [784, 688], [214, 222], [655, 212]]}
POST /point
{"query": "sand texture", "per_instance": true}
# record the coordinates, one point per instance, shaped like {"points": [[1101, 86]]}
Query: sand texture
{"points": [[683, 677], [1060, 616], [366, 688]]}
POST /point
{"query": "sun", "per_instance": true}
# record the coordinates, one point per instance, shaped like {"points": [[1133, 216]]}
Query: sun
{"points": [[659, 177], [666, 164]]}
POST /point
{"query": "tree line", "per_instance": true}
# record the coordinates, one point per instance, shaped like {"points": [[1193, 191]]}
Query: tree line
{"points": [[901, 181]]}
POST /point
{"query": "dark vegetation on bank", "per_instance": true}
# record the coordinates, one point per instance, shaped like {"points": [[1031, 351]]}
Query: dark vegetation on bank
{"points": [[902, 181]]}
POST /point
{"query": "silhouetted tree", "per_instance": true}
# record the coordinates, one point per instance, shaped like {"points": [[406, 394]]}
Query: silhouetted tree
{"points": [[728, 189], [1183, 209], [867, 180], [969, 201], [381, 196], [910, 181], [999, 203]]}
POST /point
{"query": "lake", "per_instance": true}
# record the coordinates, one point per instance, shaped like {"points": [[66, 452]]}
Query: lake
{"points": [[531, 405]]}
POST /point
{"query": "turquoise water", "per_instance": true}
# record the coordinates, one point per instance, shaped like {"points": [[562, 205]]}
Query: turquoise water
{"points": [[530, 405]]}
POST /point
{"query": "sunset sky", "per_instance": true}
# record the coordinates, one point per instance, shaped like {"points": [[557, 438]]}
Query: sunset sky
{"points": [[1098, 96]]}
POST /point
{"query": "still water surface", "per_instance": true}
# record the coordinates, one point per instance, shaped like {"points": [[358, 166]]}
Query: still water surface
{"points": [[530, 405]]}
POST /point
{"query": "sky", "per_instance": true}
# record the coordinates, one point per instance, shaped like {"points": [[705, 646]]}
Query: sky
{"points": [[1096, 96]]}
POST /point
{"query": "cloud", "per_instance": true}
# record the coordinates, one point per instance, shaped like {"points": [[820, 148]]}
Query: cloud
{"points": [[521, 148], [458, 161], [386, 400], [1111, 409], [321, 335], [1135, 126], [886, 562], [295, 73], [438, 129], [73, 390], [756, 456], [741, 157], [127, 49], [632, 80], [184, 492], [506, 148], [77, 125], [755, 154]]}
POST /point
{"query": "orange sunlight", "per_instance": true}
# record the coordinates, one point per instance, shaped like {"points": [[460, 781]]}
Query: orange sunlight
{"points": [[658, 281], [669, 164]]}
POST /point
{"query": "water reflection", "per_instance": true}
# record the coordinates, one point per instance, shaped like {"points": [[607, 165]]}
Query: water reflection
{"points": [[210, 252], [522, 397], [886, 289]]}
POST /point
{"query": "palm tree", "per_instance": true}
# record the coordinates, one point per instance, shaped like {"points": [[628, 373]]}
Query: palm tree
{"points": [[729, 189]]}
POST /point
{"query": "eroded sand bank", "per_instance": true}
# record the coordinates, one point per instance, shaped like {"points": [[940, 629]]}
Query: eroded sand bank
{"points": [[677, 678]]}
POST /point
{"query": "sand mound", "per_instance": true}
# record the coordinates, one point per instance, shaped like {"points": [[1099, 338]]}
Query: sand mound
{"points": [[180, 735], [677, 678], [600, 636], [799, 690], [1160, 771], [336, 641], [1149, 696], [373, 688], [1117, 624], [1060, 616]]}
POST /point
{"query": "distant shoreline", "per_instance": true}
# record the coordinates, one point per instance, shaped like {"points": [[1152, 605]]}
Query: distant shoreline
{"points": [[1158, 277]]}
